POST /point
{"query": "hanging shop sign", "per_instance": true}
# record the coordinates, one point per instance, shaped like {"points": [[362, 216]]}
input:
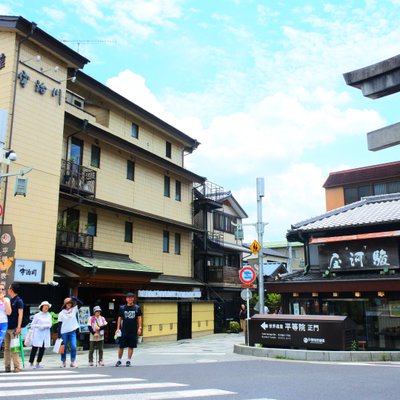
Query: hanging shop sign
{"points": [[359, 255], [29, 271], [168, 293], [7, 250]]}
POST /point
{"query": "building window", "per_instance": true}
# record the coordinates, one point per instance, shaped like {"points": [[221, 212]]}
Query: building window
{"points": [[356, 193], [165, 242], [178, 195], [177, 243], [76, 152], [223, 222], [130, 170], [135, 131], [128, 232], [167, 184], [95, 156], [92, 224], [168, 149]]}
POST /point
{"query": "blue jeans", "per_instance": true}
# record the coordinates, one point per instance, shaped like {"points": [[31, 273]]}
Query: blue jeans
{"points": [[69, 337], [3, 331]]}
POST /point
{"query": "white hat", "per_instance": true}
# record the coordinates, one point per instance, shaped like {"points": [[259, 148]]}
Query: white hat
{"points": [[44, 303], [96, 308]]}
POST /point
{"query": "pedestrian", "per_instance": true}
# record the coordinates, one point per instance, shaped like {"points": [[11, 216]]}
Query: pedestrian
{"points": [[5, 311], [96, 324], [67, 326], [14, 328], [41, 325], [242, 318], [129, 327]]}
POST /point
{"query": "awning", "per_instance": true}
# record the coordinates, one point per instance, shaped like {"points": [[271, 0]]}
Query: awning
{"points": [[176, 280], [108, 263], [231, 246]]}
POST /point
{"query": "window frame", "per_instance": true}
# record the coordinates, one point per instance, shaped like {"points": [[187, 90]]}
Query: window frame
{"points": [[128, 236], [178, 190], [177, 244], [134, 131], [168, 149], [92, 155], [90, 224], [165, 241], [130, 170], [167, 186]]}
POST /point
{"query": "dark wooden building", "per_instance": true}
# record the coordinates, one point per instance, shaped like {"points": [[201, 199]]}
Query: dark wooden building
{"points": [[352, 269]]}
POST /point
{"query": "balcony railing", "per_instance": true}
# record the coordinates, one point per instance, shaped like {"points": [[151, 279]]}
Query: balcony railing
{"points": [[224, 274], [77, 179], [74, 241]]}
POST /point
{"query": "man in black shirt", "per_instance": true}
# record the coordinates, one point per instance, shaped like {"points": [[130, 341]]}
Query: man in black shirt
{"points": [[129, 327]]}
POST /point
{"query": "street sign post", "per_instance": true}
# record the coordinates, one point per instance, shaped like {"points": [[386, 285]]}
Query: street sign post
{"points": [[255, 247]]}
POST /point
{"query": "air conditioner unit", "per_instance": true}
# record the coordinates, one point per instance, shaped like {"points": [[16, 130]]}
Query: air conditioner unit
{"points": [[75, 100]]}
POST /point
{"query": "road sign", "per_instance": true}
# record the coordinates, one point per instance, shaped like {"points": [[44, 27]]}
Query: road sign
{"points": [[255, 247], [245, 294], [247, 275]]}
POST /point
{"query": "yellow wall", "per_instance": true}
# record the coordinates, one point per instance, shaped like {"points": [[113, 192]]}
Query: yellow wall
{"points": [[160, 320], [37, 140], [334, 198], [202, 318]]}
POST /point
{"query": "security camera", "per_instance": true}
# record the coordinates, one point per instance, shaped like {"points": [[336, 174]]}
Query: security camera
{"points": [[12, 156]]}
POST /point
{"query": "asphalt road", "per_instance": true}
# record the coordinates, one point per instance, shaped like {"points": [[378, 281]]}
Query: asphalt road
{"points": [[204, 369]]}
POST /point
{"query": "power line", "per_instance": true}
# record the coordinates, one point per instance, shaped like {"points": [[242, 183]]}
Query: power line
{"points": [[86, 41]]}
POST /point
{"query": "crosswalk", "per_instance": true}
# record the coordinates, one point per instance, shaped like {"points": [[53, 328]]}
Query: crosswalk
{"points": [[56, 384]]}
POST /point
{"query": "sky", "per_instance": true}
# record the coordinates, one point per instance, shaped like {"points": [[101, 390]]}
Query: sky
{"points": [[259, 83]]}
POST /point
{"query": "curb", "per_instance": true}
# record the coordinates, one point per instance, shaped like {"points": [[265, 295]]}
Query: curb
{"points": [[318, 355]]}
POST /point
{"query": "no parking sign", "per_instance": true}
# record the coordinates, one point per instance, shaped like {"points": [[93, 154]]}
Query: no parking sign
{"points": [[247, 275]]}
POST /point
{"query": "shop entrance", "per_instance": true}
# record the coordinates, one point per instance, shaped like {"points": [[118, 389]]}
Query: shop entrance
{"points": [[184, 321]]}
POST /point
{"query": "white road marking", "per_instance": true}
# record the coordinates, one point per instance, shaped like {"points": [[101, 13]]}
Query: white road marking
{"points": [[45, 372], [96, 388], [76, 381], [179, 394], [19, 378], [187, 354]]}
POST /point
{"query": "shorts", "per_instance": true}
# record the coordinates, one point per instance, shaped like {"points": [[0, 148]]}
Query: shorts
{"points": [[127, 340]]}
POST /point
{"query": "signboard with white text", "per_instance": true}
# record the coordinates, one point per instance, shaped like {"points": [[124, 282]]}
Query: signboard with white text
{"points": [[29, 271]]}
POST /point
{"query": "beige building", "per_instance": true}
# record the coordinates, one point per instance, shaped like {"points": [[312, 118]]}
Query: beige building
{"points": [[109, 202]]}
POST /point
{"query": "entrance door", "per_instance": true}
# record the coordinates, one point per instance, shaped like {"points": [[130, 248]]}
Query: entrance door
{"points": [[184, 321]]}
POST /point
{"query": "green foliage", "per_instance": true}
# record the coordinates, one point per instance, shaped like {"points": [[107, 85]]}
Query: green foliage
{"points": [[272, 301], [54, 317], [354, 346], [234, 327]]}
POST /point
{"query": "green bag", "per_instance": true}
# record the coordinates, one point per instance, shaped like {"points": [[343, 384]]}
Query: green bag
{"points": [[15, 345]]}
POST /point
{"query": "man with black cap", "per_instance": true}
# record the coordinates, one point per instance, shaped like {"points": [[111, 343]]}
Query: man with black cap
{"points": [[129, 326]]}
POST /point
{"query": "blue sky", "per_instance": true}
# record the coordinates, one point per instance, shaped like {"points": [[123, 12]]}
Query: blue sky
{"points": [[258, 82]]}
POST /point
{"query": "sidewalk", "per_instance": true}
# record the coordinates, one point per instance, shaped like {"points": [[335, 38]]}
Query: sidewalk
{"points": [[211, 348]]}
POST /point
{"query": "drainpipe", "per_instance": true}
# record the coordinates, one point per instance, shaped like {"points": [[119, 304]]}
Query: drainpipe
{"points": [[33, 28]]}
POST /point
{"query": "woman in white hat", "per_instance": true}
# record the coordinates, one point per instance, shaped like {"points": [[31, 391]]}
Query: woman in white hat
{"points": [[96, 324], [41, 325]]}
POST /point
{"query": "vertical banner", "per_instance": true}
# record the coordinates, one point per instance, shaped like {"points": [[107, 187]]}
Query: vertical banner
{"points": [[7, 252]]}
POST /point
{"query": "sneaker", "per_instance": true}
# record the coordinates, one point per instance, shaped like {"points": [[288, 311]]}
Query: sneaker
{"points": [[38, 366], [8, 369], [63, 365], [73, 365], [118, 364], [17, 369], [91, 364], [128, 363], [101, 363]]}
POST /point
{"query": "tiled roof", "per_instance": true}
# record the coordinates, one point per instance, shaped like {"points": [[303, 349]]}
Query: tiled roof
{"points": [[371, 173], [367, 211]]}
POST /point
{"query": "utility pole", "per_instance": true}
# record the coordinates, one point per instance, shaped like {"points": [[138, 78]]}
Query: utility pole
{"points": [[260, 232]]}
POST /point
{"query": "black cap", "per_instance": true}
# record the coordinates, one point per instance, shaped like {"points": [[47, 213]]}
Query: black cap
{"points": [[130, 294]]}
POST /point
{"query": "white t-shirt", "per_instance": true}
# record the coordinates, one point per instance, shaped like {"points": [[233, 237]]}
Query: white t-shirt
{"points": [[3, 313], [68, 319]]}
